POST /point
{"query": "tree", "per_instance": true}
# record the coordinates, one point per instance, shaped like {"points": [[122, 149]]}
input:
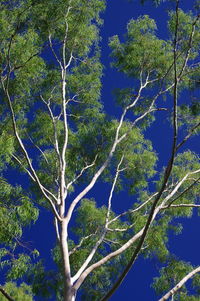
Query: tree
{"points": [[56, 135]]}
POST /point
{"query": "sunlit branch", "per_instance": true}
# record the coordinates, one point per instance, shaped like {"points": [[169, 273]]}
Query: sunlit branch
{"points": [[63, 190], [32, 177], [22, 165], [179, 185], [176, 288], [112, 190], [136, 236], [109, 241], [148, 111], [121, 229]]}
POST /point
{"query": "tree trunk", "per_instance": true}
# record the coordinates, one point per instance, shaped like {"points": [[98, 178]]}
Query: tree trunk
{"points": [[69, 295], [69, 292]]}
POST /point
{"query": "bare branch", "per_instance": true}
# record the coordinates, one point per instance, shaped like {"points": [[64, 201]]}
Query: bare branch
{"points": [[107, 258], [189, 46], [121, 229], [57, 229], [136, 236]]}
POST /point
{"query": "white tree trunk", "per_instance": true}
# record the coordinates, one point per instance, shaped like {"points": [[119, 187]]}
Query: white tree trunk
{"points": [[69, 293]]}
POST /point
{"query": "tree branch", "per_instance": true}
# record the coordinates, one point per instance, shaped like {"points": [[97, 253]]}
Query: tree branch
{"points": [[180, 284]]}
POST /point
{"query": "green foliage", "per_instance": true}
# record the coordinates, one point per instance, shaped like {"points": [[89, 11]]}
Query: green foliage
{"points": [[19, 293], [142, 51]]}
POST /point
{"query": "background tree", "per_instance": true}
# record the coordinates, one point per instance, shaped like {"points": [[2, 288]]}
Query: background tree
{"points": [[57, 136]]}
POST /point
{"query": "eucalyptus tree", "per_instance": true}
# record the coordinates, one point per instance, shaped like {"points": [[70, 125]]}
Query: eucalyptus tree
{"points": [[56, 136]]}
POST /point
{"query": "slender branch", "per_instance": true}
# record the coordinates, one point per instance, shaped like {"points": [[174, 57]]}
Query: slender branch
{"points": [[121, 229], [189, 45], [32, 177], [112, 190], [176, 288], [81, 172], [20, 163], [132, 210], [36, 146], [80, 243], [109, 241], [53, 51]]}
